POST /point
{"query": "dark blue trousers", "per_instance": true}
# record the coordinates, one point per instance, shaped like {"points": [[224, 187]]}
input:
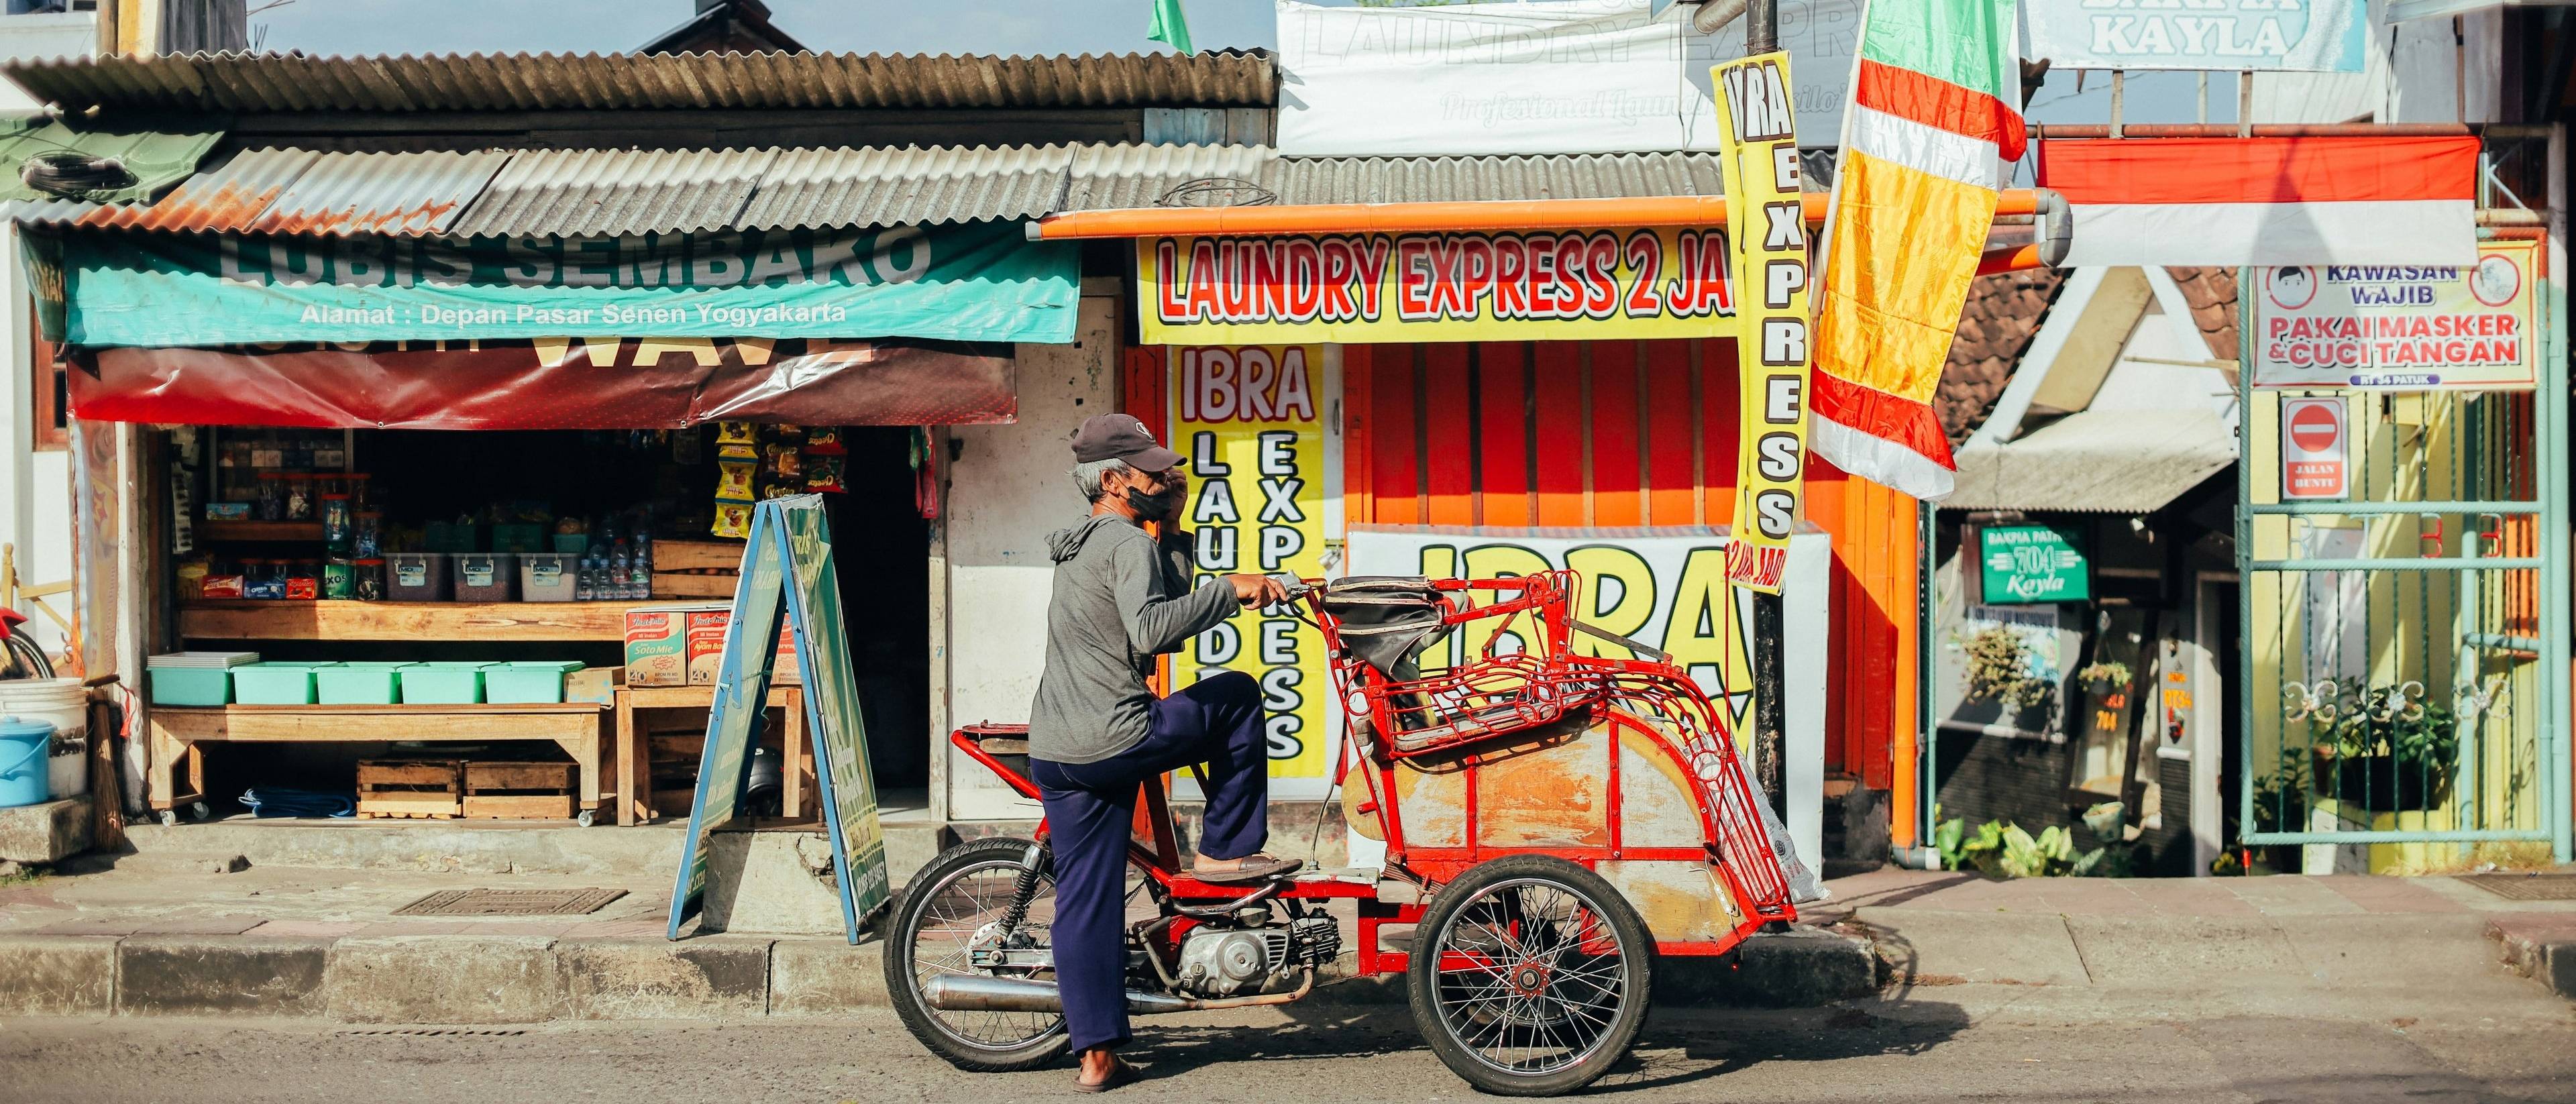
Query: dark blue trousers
{"points": [[1090, 810]]}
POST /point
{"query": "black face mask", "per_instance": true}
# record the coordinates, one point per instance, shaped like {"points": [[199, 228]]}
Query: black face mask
{"points": [[1156, 507]]}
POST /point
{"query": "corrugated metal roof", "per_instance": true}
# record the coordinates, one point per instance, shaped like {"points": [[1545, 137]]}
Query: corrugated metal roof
{"points": [[611, 192], [609, 82], [2096, 461], [873, 187], [585, 193], [155, 159]]}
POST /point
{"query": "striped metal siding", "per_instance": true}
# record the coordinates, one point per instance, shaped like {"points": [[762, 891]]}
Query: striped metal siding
{"points": [[620, 82], [604, 193], [1609, 434]]}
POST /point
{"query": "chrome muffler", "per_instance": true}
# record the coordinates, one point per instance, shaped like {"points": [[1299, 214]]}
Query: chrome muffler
{"points": [[980, 993], [983, 993]]}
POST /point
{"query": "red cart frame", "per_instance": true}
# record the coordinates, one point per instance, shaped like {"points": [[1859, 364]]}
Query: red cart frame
{"points": [[1499, 704]]}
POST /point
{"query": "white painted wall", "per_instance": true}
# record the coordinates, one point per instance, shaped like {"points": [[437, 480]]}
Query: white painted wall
{"points": [[1007, 490], [35, 487]]}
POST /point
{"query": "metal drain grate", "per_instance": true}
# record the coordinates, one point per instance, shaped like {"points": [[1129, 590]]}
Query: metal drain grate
{"points": [[510, 902], [2526, 887]]}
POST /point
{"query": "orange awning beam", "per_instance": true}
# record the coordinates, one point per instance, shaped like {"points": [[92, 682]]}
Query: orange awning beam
{"points": [[1402, 218]]}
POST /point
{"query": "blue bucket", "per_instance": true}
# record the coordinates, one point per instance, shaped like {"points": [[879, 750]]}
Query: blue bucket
{"points": [[25, 747]]}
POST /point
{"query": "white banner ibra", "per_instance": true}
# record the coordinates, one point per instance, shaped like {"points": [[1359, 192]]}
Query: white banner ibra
{"points": [[1577, 76]]}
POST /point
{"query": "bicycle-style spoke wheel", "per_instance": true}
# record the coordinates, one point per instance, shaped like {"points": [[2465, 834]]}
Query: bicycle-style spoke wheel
{"points": [[952, 920], [1530, 976]]}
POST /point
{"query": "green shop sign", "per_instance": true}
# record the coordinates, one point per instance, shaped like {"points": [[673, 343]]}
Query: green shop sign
{"points": [[2033, 563], [976, 282]]}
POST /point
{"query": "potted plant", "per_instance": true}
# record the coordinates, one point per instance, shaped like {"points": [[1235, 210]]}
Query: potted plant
{"points": [[2392, 754]]}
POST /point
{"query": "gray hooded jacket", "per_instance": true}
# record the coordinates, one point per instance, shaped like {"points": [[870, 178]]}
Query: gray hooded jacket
{"points": [[1119, 601]]}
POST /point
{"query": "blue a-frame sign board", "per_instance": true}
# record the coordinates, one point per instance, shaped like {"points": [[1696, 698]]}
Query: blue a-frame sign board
{"points": [[787, 570]]}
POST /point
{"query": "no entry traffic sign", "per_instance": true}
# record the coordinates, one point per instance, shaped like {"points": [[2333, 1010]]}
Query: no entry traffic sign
{"points": [[2314, 448]]}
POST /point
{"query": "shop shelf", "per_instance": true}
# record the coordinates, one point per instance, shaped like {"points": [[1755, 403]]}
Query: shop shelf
{"points": [[345, 620], [257, 530], [527, 681]]}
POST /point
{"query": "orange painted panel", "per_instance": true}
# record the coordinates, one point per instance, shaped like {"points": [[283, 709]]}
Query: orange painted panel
{"points": [[1616, 497], [1503, 430], [1396, 482], [1560, 432], [1721, 426], [1672, 469], [1448, 451]]}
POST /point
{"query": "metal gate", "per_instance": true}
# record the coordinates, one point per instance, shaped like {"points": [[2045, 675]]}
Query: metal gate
{"points": [[2406, 653]]}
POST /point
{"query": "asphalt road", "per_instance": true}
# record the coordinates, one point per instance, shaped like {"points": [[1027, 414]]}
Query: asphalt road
{"points": [[1838, 1056]]}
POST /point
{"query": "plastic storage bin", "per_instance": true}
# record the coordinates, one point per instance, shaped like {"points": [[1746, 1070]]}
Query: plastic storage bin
{"points": [[417, 577], [532, 681], [452, 536], [359, 683], [485, 576], [548, 577], [194, 678], [519, 538], [275, 683], [444, 683], [572, 543], [25, 772]]}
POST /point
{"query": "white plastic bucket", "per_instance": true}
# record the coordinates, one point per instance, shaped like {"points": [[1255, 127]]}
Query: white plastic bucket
{"points": [[64, 704]]}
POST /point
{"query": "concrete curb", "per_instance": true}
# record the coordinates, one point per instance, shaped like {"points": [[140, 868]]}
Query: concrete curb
{"points": [[2541, 947], [507, 979]]}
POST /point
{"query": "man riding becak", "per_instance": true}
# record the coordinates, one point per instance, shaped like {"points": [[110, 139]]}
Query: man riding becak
{"points": [[1096, 731]]}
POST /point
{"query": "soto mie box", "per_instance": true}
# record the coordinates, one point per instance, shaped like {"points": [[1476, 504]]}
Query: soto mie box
{"points": [[706, 633], [657, 644]]}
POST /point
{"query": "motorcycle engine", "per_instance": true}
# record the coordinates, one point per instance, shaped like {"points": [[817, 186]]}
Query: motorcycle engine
{"points": [[1225, 962]]}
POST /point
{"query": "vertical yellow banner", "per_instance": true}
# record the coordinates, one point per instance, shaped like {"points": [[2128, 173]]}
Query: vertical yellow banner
{"points": [[1757, 130], [1248, 418]]}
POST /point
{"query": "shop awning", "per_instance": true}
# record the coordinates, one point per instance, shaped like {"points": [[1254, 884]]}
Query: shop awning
{"points": [[2096, 461], [551, 384]]}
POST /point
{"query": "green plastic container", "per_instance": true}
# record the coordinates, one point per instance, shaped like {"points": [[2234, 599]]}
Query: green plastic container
{"points": [[446, 682], [451, 537], [275, 683], [572, 544], [534, 681], [192, 686], [364, 682], [517, 537]]}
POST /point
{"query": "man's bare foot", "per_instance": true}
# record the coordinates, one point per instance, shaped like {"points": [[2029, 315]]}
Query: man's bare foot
{"points": [[1103, 1070], [1250, 868]]}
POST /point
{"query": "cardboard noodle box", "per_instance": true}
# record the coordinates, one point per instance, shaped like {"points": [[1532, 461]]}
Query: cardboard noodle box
{"points": [[657, 646], [706, 633]]}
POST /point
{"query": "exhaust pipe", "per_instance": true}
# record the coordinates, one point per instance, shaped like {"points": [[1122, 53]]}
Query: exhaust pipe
{"points": [[980, 993]]}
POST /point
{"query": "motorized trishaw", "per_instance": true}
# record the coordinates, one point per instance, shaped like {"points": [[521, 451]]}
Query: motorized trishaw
{"points": [[1554, 817]]}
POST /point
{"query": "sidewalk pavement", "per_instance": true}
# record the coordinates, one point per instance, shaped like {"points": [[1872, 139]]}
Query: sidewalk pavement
{"points": [[193, 938], [2346, 931]]}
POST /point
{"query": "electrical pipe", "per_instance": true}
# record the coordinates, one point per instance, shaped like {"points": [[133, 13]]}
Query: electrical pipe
{"points": [[1345, 218]]}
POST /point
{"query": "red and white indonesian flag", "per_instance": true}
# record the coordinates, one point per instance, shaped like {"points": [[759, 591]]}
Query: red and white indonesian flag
{"points": [[2267, 201]]}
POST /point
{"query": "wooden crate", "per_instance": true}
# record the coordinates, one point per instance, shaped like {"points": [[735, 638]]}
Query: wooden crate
{"points": [[695, 555], [668, 584], [424, 789], [519, 791]]}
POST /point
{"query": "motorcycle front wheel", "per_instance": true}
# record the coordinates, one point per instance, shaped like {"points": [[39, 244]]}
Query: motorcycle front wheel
{"points": [[961, 898]]}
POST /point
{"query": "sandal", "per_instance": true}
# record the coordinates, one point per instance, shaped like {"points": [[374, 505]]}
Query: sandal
{"points": [[1255, 868], [1120, 1073]]}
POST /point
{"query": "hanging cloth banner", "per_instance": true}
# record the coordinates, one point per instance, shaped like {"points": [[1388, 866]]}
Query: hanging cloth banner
{"points": [[976, 282], [1757, 121], [557, 383], [1466, 286], [2267, 201]]}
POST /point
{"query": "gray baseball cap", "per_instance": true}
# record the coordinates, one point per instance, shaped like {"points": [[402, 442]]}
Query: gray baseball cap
{"points": [[1121, 437]]}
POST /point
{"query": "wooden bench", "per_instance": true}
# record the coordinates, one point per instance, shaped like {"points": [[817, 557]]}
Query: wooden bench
{"points": [[176, 732], [634, 784]]}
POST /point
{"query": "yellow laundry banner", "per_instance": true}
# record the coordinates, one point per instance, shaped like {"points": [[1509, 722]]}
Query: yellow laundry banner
{"points": [[1758, 153], [1459, 286], [1247, 416]]}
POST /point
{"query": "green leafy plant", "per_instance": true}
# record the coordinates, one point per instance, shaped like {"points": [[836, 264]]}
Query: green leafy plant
{"points": [[2002, 849], [1998, 669]]}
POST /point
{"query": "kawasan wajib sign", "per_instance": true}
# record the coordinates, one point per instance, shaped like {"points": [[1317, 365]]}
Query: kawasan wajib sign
{"points": [[1458, 286]]}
